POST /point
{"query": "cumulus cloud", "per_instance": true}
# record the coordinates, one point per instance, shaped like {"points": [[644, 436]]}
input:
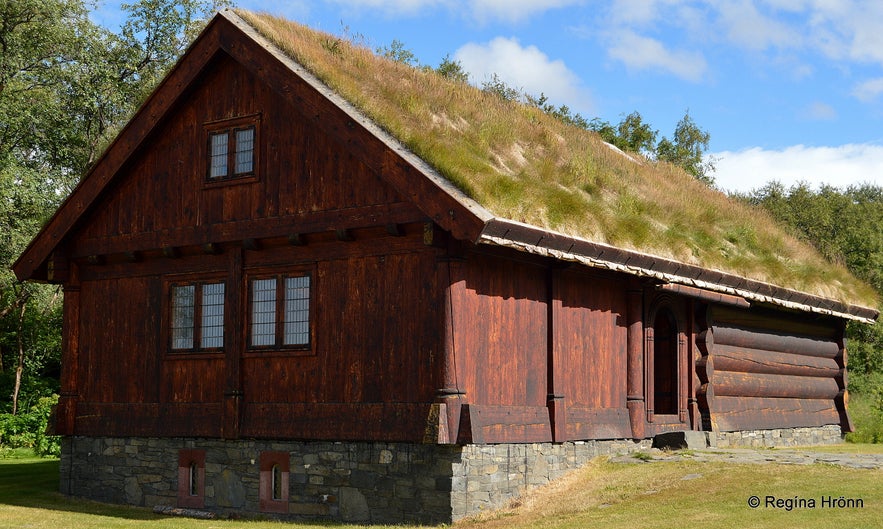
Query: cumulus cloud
{"points": [[514, 10], [394, 7], [644, 53], [526, 68], [840, 166], [869, 90], [818, 111]]}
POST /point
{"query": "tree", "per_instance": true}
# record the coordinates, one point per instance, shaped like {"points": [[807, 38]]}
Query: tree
{"points": [[630, 134], [687, 148], [66, 87], [845, 226], [397, 52], [453, 70]]}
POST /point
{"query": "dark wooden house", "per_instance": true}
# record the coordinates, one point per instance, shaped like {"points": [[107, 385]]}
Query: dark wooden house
{"points": [[272, 305]]}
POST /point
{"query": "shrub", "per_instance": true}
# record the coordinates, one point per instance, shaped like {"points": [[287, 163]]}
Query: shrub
{"points": [[28, 430]]}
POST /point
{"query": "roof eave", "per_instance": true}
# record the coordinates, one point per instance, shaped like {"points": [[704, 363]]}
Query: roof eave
{"points": [[539, 241]]}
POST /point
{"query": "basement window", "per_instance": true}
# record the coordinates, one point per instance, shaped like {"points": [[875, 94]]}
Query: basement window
{"points": [[273, 485], [197, 316], [191, 479], [232, 149], [280, 312]]}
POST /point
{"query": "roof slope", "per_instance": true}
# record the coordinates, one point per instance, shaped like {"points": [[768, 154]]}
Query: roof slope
{"points": [[501, 173], [522, 165]]}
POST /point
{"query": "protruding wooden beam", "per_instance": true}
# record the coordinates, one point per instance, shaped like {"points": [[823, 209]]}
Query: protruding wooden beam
{"points": [[211, 248], [343, 234], [171, 252]]}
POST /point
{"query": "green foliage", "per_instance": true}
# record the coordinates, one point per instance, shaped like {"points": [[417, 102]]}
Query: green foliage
{"points": [[498, 87], [397, 52], [687, 148], [630, 134], [28, 430], [66, 87], [452, 70], [562, 112]]}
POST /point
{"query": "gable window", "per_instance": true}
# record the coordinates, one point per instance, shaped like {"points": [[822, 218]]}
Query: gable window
{"points": [[280, 311], [232, 149], [197, 316]]}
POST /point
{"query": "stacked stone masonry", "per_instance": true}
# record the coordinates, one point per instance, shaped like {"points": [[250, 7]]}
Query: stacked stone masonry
{"points": [[353, 481]]}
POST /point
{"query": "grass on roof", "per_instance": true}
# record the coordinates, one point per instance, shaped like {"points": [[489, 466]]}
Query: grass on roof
{"points": [[524, 165]]}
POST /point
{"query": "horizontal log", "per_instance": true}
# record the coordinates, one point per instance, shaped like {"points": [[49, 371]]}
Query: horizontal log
{"points": [[598, 423], [236, 231], [148, 420], [733, 384], [730, 358], [822, 327], [740, 413], [375, 421], [507, 424], [746, 339]]}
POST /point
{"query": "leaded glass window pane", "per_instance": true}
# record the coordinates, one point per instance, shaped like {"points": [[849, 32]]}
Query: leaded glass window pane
{"points": [[212, 316], [218, 155], [297, 310], [244, 151], [183, 314], [263, 312]]}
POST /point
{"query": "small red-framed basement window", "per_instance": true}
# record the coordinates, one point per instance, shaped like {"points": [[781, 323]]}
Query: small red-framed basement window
{"points": [[274, 482], [191, 478]]}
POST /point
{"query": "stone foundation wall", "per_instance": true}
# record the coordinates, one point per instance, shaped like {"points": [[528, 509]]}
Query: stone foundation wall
{"points": [[343, 481], [354, 482], [783, 437]]}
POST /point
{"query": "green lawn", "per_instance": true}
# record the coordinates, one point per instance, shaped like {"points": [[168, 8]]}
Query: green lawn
{"points": [[604, 494]]}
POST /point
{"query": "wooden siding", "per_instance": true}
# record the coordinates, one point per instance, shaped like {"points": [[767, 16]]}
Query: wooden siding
{"points": [[499, 327], [371, 373], [590, 336], [761, 370], [164, 196]]}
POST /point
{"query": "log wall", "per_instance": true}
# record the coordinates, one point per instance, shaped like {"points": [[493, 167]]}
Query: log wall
{"points": [[765, 370]]}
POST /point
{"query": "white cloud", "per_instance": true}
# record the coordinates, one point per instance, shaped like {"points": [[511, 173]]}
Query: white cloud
{"points": [[526, 68], [644, 53], [840, 166], [748, 28], [819, 111], [510, 11], [515, 10], [868, 90], [394, 7]]}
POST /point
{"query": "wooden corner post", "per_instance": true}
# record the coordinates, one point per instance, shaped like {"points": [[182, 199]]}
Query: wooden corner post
{"points": [[635, 360]]}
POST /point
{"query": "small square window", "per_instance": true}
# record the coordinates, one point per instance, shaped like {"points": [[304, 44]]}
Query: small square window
{"points": [[232, 148]]}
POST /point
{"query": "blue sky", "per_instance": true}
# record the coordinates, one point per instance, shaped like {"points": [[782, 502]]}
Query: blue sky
{"points": [[790, 90]]}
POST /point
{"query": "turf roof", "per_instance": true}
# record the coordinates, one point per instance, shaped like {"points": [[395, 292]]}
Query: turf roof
{"points": [[523, 165]]}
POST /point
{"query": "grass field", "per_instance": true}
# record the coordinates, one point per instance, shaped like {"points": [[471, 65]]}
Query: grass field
{"points": [[635, 495]]}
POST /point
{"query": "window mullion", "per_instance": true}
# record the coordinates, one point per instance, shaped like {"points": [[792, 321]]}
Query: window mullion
{"points": [[197, 317], [280, 311]]}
